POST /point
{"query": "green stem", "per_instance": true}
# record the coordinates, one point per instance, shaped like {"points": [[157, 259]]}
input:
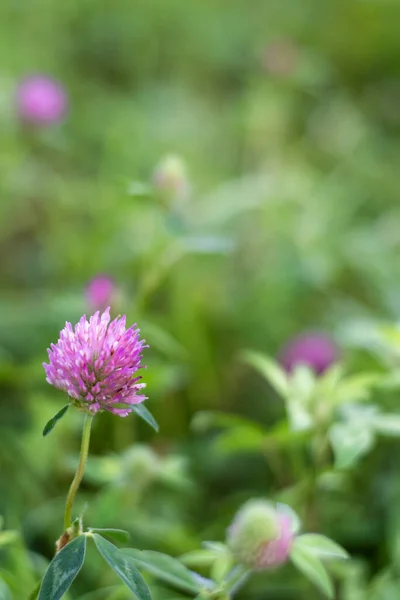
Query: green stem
{"points": [[80, 470], [235, 581]]}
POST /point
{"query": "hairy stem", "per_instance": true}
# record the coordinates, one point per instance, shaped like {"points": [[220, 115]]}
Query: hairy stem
{"points": [[80, 470]]}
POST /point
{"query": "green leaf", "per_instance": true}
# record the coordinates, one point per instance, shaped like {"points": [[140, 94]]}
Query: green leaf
{"points": [[311, 566], [350, 441], [321, 545], [300, 418], [163, 341], [240, 440], [207, 419], [221, 567], [387, 424], [63, 569], [198, 558], [357, 388], [302, 383], [217, 547], [164, 567], [269, 369], [5, 593], [54, 420], [146, 415], [124, 566], [118, 534], [8, 537]]}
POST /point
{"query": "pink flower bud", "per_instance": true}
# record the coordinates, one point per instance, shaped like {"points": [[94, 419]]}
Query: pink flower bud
{"points": [[276, 552], [315, 350], [261, 535], [41, 100], [100, 292]]}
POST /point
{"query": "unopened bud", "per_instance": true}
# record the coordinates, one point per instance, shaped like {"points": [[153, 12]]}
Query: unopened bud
{"points": [[170, 179], [260, 536]]}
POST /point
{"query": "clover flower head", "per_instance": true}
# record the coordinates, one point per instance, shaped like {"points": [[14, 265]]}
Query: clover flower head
{"points": [[100, 292], [316, 350], [41, 100], [96, 364]]}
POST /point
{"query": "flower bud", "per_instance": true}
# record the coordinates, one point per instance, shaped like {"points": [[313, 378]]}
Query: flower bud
{"points": [[316, 350], [41, 100], [170, 179], [100, 293], [260, 536]]}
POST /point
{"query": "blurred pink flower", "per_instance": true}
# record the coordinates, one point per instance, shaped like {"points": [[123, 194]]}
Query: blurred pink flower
{"points": [[316, 350], [276, 552], [41, 100], [95, 364], [261, 535], [100, 292]]}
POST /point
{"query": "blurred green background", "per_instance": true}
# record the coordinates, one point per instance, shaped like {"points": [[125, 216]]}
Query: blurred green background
{"points": [[287, 117]]}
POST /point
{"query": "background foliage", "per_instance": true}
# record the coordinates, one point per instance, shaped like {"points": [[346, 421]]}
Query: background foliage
{"points": [[287, 117]]}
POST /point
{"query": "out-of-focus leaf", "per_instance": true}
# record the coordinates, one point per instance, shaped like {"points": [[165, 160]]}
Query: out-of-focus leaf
{"points": [[299, 417], [387, 424], [221, 567], [63, 569], [8, 537], [302, 383], [350, 441], [164, 567], [163, 341], [215, 546], [207, 419], [124, 566], [106, 593], [270, 370], [5, 593], [198, 558], [385, 586], [311, 566], [240, 439], [357, 388], [54, 420], [321, 545], [118, 534]]}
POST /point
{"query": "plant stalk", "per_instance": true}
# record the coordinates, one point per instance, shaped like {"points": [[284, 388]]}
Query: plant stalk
{"points": [[80, 470]]}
